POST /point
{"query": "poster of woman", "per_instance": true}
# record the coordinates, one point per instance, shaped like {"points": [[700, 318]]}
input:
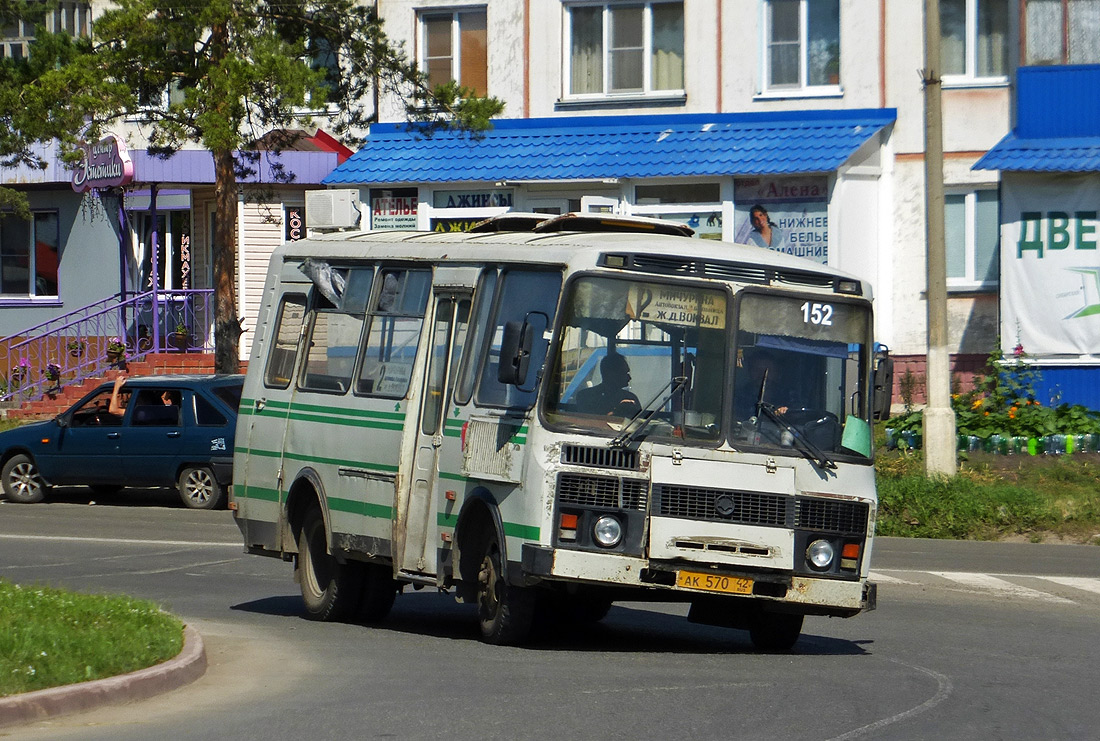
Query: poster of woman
{"points": [[788, 215]]}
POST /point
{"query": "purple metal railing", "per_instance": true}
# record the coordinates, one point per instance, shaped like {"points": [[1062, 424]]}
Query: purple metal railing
{"points": [[83, 343]]}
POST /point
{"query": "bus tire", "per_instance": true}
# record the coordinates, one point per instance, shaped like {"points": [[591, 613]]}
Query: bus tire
{"points": [[330, 589], [775, 631], [21, 481], [505, 612], [378, 592]]}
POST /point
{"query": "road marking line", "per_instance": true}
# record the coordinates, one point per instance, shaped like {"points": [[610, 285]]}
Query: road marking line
{"points": [[987, 583], [128, 541], [1077, 582], [882, 578]]}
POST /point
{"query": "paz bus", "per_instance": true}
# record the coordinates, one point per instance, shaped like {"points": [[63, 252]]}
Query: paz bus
{"points": [[545, 422]]}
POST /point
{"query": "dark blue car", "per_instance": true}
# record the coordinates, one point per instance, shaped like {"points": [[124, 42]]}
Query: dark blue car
{"points": [[173, 431]]}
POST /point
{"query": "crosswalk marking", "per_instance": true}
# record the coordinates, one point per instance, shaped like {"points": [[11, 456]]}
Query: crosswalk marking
{"points": [[986, 582], [1076, 582], [881, 578]]}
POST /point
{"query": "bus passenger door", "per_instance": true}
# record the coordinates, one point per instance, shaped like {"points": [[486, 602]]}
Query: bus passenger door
{"points": [[418, 553]]}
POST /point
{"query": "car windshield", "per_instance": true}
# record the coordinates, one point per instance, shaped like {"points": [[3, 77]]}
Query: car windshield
{"points": [[801, 375], [640, 359]]}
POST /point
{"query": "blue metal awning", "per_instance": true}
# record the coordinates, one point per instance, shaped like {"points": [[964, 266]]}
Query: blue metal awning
{"points": [[1013, 153], [1057, 122], [589, 147]]}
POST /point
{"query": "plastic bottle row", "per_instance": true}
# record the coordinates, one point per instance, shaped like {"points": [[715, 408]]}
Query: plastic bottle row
{"points": [[1004, 444]]}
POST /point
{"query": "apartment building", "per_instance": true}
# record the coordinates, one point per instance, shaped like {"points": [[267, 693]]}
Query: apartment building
{"points": [[714, 111]]}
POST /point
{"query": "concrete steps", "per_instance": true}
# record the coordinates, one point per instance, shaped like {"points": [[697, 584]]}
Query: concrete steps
{"points": [[154, 364]]}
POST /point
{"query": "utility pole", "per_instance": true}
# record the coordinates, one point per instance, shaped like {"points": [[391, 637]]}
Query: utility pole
{"points": [[939, 418]]}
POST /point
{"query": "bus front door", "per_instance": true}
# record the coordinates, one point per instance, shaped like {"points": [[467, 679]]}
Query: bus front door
{"points": [[417, 517]]}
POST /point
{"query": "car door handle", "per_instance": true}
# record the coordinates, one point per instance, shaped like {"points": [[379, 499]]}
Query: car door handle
{"points": [[174, 434], [113, 435]]}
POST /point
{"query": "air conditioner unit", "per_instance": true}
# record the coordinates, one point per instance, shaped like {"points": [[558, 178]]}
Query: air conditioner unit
{"points": [[332, 209]]}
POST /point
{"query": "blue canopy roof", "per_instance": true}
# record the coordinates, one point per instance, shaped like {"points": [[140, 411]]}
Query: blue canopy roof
{"points": [[590, 147], [1057, 122]]}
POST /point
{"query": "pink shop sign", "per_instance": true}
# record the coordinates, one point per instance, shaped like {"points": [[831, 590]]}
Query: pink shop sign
{"points": [[106, 164]]}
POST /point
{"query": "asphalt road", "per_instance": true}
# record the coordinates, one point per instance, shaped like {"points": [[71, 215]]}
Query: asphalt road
{"points": [[970, 641]]}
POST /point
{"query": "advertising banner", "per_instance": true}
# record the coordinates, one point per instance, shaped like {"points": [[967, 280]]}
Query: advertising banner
{"points": [[393, 208], [1050, 265], [786, 214]]}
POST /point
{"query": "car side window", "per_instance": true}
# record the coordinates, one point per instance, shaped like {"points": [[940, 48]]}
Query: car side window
{"points": [[206, 415], [94, 411], [156, 407]]}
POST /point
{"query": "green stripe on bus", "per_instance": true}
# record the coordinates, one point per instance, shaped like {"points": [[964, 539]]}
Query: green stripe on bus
{"points": [[366, 509], [380, 467], [258, 492], [452, 476], [346, 421], [511, 529]]}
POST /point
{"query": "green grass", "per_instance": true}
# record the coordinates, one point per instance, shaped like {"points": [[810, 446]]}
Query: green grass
{"points": [[991, 498], [51, 637]]}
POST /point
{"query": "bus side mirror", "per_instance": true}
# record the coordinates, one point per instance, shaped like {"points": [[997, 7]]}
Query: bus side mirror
{"points": [[515, 352], [882, 381]]}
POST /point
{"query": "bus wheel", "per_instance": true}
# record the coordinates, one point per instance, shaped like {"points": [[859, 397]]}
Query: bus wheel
{"points": [[330, 590], [775, 631], [379, 591], [505, 612]]}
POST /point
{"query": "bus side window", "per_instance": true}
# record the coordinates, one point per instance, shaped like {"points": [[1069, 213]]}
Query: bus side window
{"points": [[284, 345], [479, 327], [333, 341], [393, 334], [524, 296]]}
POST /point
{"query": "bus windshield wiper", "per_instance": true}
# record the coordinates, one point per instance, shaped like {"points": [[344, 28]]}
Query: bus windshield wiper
{"points": [[645, 414], [804, 446]]}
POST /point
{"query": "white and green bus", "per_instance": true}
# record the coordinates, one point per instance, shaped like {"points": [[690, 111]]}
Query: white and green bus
{"points": [[555, 421]]}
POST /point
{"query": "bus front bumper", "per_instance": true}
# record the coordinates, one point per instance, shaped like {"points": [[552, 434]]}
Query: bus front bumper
{"points": [[804, 593]]}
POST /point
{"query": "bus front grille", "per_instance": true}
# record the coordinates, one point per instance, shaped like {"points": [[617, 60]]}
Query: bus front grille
{"points": [[583, 455], [609, 492], [757, 508], [698, 503], [835, 516]]}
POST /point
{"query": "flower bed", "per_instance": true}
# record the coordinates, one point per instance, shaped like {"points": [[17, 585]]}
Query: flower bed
{"points": [[1001, 415]]}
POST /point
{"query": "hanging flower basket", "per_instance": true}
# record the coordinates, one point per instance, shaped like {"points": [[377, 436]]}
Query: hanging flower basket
{"points": [[116, 350], [52, 372], [179, 340], [76, 348]]}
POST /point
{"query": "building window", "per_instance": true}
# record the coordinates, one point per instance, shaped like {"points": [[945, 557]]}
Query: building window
{"points": [[975, 39], [802, 44], [454, 46], [972, 233], [626, 49], [29, 255], [1061, 31], [73, 18]]}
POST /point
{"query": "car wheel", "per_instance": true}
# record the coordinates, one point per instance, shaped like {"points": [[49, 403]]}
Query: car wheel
{"points": [[330, 589], [199, 489], [21, 481]]}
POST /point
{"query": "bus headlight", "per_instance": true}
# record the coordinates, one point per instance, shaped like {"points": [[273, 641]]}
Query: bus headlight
{"points": [[607, 531], [820, 554]]}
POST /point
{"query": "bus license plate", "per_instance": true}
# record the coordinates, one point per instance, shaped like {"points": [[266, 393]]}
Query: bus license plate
{"points": [[713, 582]]}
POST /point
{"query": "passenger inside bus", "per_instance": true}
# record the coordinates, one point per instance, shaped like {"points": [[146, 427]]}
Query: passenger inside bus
{"points": [[611, 395]]}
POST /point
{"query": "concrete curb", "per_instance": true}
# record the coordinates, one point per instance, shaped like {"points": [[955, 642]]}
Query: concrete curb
{"points": [[185, 668]]}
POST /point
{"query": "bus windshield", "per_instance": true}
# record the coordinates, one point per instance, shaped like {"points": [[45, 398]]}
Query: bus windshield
{"points": [[801, 374], [641, 358]]}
